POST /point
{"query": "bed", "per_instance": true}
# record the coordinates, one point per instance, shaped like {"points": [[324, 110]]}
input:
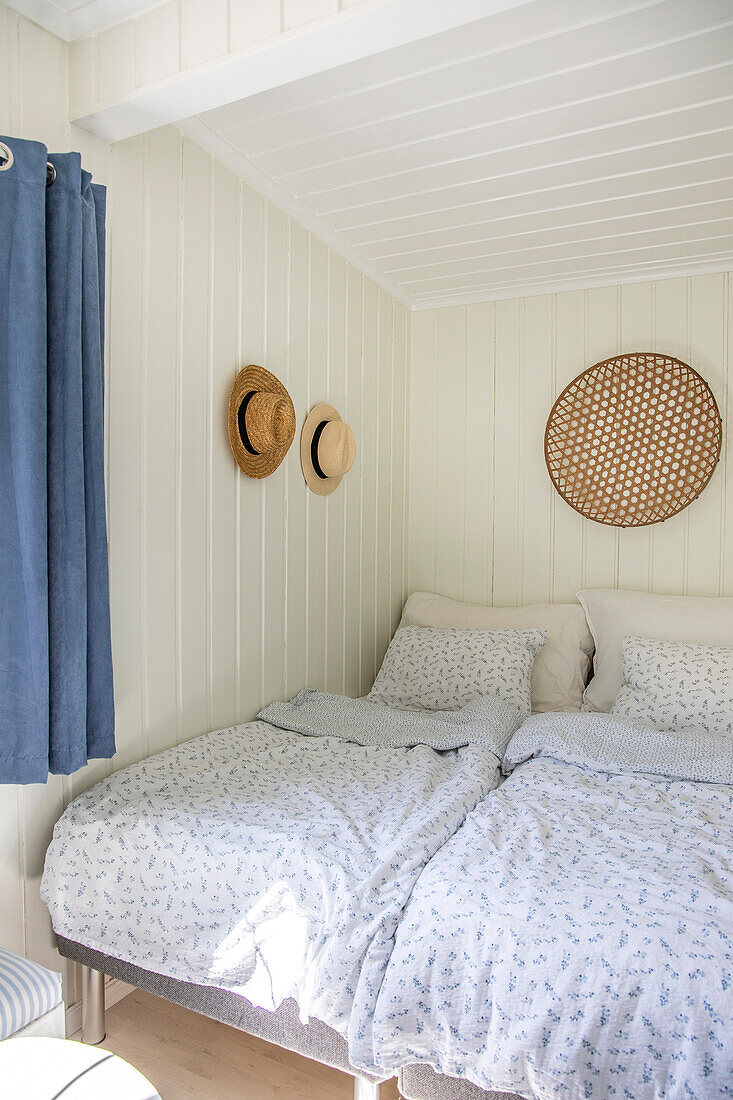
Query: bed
{"points": [[575, 937], [586, 817], [258, 873], [403, 965]]}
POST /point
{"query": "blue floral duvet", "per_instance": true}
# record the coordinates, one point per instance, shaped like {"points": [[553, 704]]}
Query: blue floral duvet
{"points": [[574, 938], [270, 862]]}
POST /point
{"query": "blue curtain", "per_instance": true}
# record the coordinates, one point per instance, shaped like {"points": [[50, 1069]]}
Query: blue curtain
{"points": [[56, 698]]}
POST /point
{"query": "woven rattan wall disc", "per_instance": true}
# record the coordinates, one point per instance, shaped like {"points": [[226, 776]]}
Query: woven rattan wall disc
{"points": [[633, 440]]}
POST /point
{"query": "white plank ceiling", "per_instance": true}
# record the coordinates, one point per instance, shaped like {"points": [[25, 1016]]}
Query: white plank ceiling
{"points": [[563, 143]]}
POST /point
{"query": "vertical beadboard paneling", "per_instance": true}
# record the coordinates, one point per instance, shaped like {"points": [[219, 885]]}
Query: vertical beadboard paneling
{"points": [[224, 590], [9, 122], [398, 452], [224, 252], [297, 502], [204, 31], [157, 45], [566, 548], [317, 506], [160, 370], [192, 447], [369, 498], [297, 12], [478, 445], [252, 22], [708, 343], [508, 455], [536, 396], [276, 354], [127, 252], [12, 912], [385, 413], [251, 492], [336, 503], [353, 490], [42, 63], [518, 356], [115, 60], [423, 498], [41, 807], [450, 458]]}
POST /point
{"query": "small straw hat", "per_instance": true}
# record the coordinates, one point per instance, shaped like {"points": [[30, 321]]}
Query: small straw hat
{"points": [[261, 421], [327, 449]]}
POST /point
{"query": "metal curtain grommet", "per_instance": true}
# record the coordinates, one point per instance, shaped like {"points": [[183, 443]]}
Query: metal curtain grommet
{"points": [[6, 157]]}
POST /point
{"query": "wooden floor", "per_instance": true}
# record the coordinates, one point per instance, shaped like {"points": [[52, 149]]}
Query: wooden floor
{"points": [[188, 1057]]}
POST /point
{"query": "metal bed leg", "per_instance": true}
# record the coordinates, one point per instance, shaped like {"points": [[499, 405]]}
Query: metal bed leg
{"points": [[366, 1090], [92, 1006]]}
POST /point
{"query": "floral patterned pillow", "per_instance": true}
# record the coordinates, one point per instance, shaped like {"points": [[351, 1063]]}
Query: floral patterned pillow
{"points": [[677, 685], [439, 668]]}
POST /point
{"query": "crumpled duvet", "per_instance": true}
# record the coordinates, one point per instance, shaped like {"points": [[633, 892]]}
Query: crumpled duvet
{"points": [[263, 861], [487, 721], [574, 938]]}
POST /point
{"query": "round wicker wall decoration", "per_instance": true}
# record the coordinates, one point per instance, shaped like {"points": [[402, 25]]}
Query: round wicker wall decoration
{"points": [[633, 440]]}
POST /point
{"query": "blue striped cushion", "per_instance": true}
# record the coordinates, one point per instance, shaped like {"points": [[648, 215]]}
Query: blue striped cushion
{"points": [[27, 991]]}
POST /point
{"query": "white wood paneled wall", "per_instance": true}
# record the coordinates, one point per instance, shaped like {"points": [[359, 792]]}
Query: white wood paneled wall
{"points": [[485, 524], [229, 592], [226, 592]]}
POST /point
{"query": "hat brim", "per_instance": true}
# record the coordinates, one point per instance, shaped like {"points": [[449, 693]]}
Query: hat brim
{"points": [[317, 416], [256, 379]]}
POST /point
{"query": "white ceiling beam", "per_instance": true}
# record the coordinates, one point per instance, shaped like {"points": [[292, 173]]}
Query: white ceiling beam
{"points": [[346, 36], [70, 21]]}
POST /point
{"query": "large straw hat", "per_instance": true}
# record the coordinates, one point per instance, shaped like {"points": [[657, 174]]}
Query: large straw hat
{"points": [[261, 421], [327, 449]]}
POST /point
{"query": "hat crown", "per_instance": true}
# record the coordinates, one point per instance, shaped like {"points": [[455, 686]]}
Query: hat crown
{"points": [[336, 449], [270, 421], [261, 421]]}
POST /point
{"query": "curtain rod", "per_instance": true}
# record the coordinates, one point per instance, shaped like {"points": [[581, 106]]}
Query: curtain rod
{"points": [[7, 158]]}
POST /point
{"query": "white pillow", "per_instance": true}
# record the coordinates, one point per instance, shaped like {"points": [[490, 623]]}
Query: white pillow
{"points": [[442, 669], [613, 614], [677, 685], [561, 670]]}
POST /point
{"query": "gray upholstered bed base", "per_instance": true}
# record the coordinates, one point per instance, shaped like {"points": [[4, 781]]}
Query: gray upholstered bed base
{"points": [[283, 1028], [314, 1040], [423, 1083]]}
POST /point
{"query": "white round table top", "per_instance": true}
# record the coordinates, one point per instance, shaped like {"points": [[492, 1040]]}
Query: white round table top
{"points": [[36, 1068]]}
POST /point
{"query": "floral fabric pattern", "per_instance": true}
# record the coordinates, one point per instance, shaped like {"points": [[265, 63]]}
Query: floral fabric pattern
{"points": [[622, 745], [574, 939], [439, 668], [677, 685], [486, 721], [259, 860]]}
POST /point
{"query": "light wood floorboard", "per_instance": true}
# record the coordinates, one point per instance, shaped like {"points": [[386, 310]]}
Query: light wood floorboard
{"points": [[189, 1057]]}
